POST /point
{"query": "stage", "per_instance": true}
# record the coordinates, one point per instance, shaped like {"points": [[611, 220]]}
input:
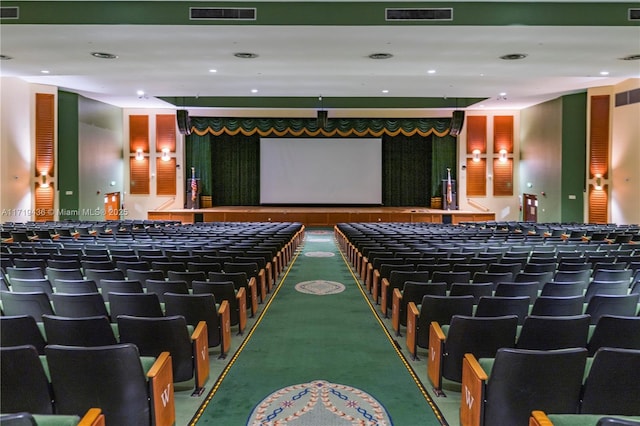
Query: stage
{"points": [[320, 216]]}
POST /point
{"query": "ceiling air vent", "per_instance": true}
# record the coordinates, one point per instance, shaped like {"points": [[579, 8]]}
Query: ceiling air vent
{"points": [[9, 12], [634, 14], [443, 14], [223, 13]]}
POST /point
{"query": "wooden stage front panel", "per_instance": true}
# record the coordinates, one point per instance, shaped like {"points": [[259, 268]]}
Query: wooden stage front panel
{"points": [[320, 216]]}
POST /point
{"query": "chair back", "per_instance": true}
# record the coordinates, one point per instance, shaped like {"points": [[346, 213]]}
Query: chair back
{"points": [[85, 331], [21, 330], [548, 333], [24, 386], [34, 304], [134, 304]]}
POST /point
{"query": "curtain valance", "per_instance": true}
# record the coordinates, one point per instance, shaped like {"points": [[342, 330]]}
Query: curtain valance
{"points": [[308, 127]]}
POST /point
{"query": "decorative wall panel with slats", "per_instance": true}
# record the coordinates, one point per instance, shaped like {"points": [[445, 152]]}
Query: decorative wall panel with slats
{"points": [[598, 204], [45, 130], [139, 176], [139, 133], [44, 203], [477, 133], [166, 132], [476, 178], [503, 177], [599, 136], [166, 177], [503, 133]]}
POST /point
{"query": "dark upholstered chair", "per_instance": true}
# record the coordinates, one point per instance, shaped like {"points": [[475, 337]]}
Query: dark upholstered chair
{"points": [[613, 383], [21, 330], [79, 305], [34, 304], [440, 309], [548, 333], [84, 331], [23, 383], [496, 306], [134, 304], [616, 332], [558, 306]]}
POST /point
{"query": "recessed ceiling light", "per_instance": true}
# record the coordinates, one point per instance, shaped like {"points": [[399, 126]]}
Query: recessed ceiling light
{"points": [[104, 55], [431, 72], [245, 55], [503, 93], [380, 56], [44, 71], [254, 90], [604, 72], [5, 58], [140, 93], [631, 58], [385, 91], [213, 71], [513, 56]]}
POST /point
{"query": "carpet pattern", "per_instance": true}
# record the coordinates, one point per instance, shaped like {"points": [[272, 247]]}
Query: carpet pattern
{"points": [[320, 287], [319, 403]]}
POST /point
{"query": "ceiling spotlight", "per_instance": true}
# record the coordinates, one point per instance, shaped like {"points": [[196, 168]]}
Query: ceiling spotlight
{"points": [[104, 55], [5, 58], [631, 58], [604, 72], [380, 56], [44, 71], [385, 91], [245, 55], [431, 72], [213, 71], [513, 56], [254, 90]]}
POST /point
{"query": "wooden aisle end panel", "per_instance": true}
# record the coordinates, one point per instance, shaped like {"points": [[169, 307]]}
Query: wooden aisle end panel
{"points": [[241, 296], [434, 361], [375, 285], [395, 310], [254, 296], [383, 296], [163, 411], [200, 342], [412, 324], [474, 380], [263, 285], [225, 325]]}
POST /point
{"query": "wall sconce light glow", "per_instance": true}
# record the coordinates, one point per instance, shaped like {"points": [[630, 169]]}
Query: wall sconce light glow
{"points": [[598, 181], [165, 154], [502, 155], [475, 155], [106, 200], [113, 198], [139, 154], [43, 180]]}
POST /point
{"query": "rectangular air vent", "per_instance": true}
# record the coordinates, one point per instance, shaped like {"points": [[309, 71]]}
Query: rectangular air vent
{"points": [[430, 14], [626, 98], [223, 13], [9, 12], [634, 14]]}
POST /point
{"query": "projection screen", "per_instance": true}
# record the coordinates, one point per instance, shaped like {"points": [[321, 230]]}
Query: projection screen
{"points": [[321, 171]]}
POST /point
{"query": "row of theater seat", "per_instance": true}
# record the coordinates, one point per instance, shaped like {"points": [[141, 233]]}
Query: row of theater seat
{"points": [[150, 315], [418, 270]]}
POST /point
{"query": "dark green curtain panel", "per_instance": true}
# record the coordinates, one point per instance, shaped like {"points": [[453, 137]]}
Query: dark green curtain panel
{"points": [[198, 156], [235, 175], [444, 154], [406, 171]]}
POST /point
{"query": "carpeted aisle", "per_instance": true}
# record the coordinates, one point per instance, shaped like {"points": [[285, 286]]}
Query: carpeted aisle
{"points": [[317, 359]]}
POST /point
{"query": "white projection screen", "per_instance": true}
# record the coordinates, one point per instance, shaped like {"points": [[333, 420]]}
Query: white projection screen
{"points": [[321, 171]]}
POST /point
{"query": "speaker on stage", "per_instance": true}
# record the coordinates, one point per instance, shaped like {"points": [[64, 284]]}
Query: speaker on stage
{"points": [[457, 121], [184, 122]]}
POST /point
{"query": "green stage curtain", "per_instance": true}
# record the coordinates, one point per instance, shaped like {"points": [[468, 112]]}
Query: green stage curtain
{"points": [[198, 156], [235, 173], [406, 171], [444, 154]]}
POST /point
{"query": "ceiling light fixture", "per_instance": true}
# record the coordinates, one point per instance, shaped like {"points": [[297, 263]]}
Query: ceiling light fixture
{"points": [[630, 58], [213, 71], [44, 71], [104, 55], [431, 72], [245, 55], [604, 72], [385, 91], [380, 56], [513, 56], [254, 90]]}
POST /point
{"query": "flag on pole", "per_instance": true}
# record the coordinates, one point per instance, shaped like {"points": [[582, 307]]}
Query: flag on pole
{"points": [[194, 184], [449, 189]]}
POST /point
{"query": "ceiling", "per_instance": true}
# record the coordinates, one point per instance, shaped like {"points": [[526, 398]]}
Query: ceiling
{"points": [[325, 65]]}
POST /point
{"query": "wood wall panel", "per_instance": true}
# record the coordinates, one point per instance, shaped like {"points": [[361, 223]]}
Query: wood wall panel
{"points": [[503, 177], [166, 177], [45, 196], [45, 131], [138, 133], [139, 176], [477, 133], [599, 136], [598, 204], [503, 133], [166, 132], [477, 178]]}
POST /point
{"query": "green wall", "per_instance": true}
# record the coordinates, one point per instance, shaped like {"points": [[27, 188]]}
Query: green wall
{"points": [[574, 156], [68, 165]]}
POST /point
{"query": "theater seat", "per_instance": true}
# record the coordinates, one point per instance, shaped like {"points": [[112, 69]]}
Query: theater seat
{"points": [[24, 385]]}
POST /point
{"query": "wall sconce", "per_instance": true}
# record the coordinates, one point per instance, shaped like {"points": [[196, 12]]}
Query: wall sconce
{"points": [[139, 154], [113, 198], [165, 154], [598, 181], [43, 180], [475, 155], [106, 199], [502, 155]]}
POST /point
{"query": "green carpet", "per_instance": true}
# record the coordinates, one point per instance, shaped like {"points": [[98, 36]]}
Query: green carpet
{"points": [[302, 338]]}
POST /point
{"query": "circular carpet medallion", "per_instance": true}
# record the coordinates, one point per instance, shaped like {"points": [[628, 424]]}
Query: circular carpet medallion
{"points": [[320, 287], [319, 239], [319, 403], [319, 254]]}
